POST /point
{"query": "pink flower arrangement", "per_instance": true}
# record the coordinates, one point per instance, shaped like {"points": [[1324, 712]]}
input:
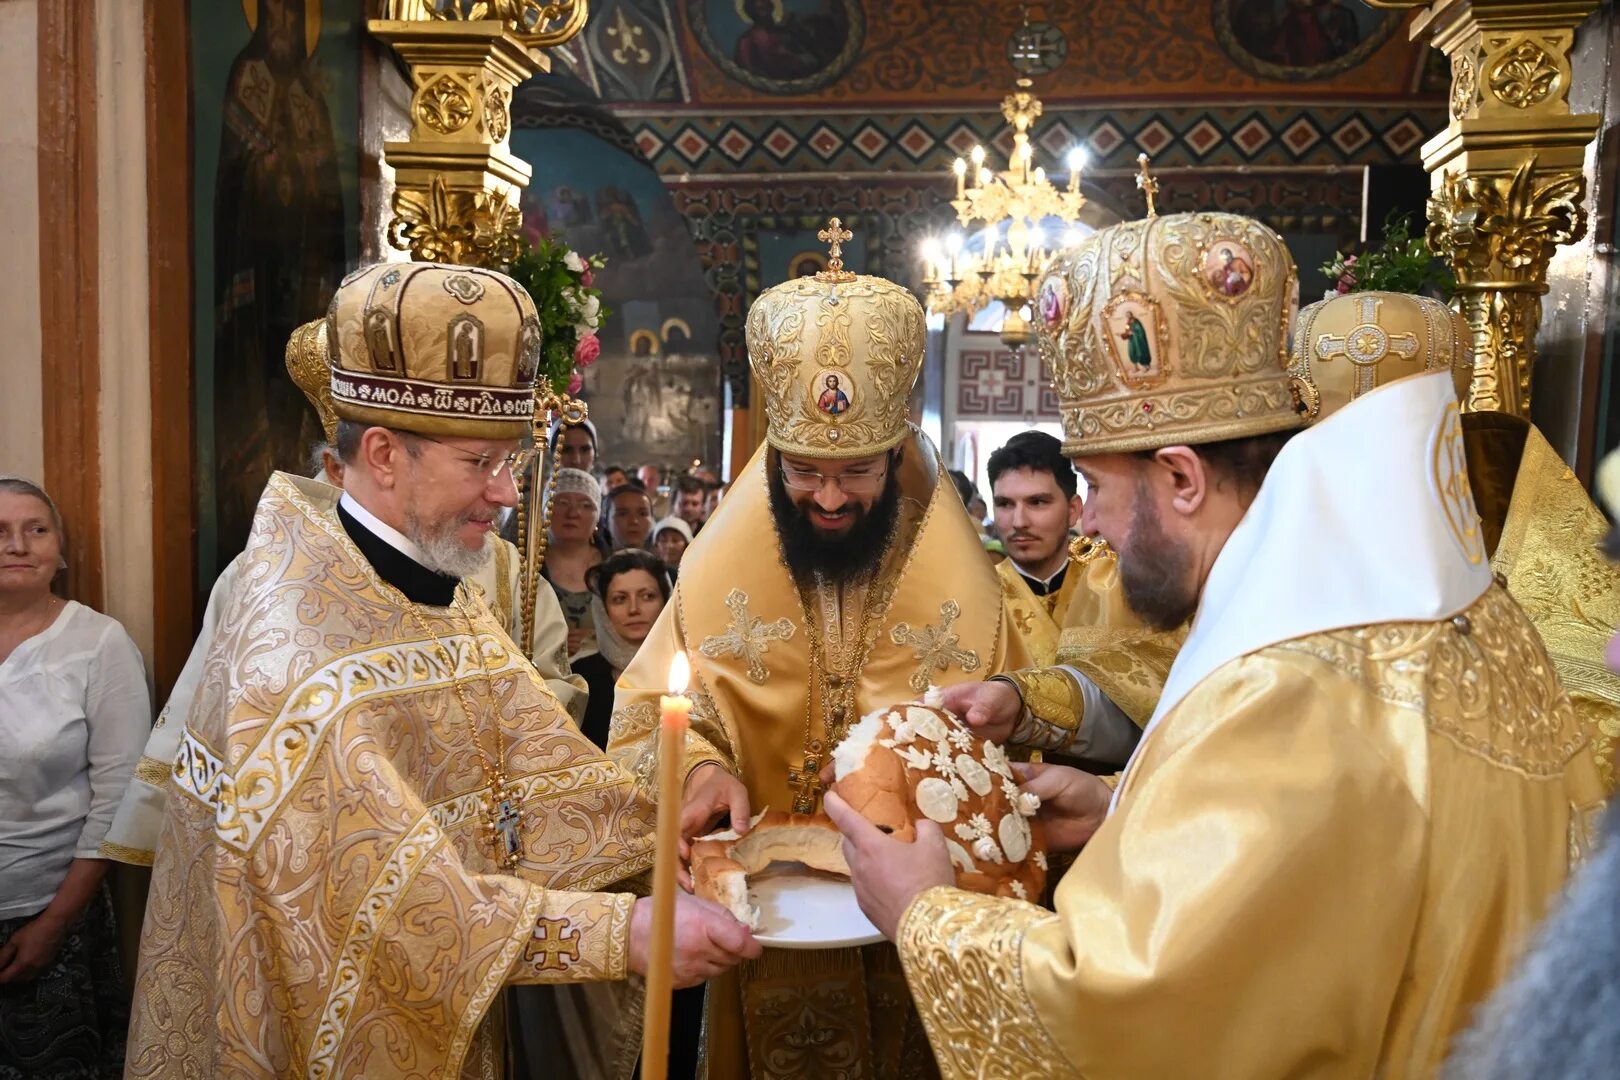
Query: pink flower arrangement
{"points": [[587, 350], [576, 382]]}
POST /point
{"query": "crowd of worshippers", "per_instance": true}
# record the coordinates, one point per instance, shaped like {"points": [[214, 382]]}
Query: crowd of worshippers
{"points": [[615, 536]]}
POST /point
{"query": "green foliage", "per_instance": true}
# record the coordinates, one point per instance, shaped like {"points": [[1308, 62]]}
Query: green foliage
{"points": [[1401, 263], [568, 302]]}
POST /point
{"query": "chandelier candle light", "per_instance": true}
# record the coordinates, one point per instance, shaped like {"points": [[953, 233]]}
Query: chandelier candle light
{"points": [[1007, 211], [674, 718]]}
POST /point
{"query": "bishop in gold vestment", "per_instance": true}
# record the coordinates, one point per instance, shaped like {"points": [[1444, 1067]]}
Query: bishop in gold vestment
{"points": [[784, 662], [1362, 785], [380, 816]]}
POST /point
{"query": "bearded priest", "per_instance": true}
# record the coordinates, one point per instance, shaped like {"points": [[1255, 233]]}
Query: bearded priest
{"points": [[132, 837], [838, 575], [1363, 783], [380, 815]]}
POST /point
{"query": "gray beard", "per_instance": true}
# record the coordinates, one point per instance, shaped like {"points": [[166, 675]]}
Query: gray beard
{"points": [[441, 551]]}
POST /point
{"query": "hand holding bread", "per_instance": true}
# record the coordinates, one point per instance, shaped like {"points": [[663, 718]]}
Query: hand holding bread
{"points": [[712, 795], [708, 941], [990, 709]]}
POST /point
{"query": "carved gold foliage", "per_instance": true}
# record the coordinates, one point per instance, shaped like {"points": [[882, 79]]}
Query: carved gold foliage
{"points": [[444, 106], [473, 228], [1525, 77], [1515, 221], [1498, 233], [537, 25]]}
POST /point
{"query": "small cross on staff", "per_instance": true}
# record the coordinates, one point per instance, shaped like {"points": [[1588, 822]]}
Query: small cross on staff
{"points": [[834, 235]]}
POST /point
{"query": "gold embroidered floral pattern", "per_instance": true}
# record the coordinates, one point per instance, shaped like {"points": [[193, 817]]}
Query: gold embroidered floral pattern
{"points": [[1482, 680], [963, 958]]}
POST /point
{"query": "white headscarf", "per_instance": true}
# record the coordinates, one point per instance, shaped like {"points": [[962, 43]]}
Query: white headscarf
{"points": [[673, 522], [579, 482]]}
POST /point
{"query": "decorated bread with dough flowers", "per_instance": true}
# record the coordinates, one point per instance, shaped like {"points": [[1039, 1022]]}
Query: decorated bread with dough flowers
{"points": [[918, 760]]}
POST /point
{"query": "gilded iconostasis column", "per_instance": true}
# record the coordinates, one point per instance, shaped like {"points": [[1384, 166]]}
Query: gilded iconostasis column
{"points": [[1506, 173]]}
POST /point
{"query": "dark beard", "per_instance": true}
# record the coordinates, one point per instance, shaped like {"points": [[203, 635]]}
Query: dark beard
{"points": [[853, 556], [1153, 571]]}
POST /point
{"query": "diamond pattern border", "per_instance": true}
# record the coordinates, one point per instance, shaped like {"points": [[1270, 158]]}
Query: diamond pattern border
{"points": [[1254, 135]]}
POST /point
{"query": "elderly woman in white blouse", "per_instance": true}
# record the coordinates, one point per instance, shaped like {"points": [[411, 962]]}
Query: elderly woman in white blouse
{"points": [[74, 715]]}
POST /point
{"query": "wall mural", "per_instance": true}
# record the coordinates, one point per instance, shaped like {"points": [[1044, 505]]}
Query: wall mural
{"points": [[275, 92], [655, 393], [1300, 39], [934, 53], [779, 46]]}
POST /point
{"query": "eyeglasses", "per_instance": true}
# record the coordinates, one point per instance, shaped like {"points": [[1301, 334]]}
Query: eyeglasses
{"points": [[490, 462], [851, 483]]}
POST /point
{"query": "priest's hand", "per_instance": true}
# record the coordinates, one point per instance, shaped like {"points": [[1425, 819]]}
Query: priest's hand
{"points": [[888, 873], [1074, 804], [711, 794], [708, 941], [989, 708]]}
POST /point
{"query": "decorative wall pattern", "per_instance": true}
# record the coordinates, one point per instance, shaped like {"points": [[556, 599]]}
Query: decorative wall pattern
{"points": [[819, 142]]}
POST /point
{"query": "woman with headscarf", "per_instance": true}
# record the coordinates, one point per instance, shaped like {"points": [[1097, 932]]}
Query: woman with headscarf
{"points": [[628, 591]]}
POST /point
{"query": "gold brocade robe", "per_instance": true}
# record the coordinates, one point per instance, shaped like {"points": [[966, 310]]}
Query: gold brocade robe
{"points": [[325, 899], [1038, 620], [1326, 853], [933, 615], [1544, 533]]}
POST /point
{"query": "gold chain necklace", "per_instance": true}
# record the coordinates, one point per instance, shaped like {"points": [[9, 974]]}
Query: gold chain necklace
{"points": [[837, 694], [501, 803]]}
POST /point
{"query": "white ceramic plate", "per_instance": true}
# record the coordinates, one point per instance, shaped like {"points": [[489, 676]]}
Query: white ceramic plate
{"points": [[801, 908]]}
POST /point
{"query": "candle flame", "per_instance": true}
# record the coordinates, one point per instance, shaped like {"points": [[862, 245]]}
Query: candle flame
{"points": [[680, 673]]}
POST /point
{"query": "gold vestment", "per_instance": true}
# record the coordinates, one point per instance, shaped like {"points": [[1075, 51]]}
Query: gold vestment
{"points": [[1543, 531], [1322, 858], [326, 899], [133, 836], [1039, 619], [768, 712]]}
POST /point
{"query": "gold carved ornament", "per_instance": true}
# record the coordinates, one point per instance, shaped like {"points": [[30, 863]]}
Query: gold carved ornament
{"points": [[536, 25], [472, 228], [1499, 232]]}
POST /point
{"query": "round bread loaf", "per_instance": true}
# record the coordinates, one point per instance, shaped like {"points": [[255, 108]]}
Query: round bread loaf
{"points": [[722, 861], [917, 760]]}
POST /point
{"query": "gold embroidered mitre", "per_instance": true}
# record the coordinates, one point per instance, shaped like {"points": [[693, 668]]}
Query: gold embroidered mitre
{"points": [[310, 364], [436, 349], [837, 355], [1170, 330], [1347, 345]]}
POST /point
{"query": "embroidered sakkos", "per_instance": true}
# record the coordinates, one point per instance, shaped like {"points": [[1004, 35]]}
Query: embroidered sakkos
{"points": [[325, 898]]}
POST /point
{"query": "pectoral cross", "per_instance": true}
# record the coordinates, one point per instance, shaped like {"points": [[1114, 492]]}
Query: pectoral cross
{"points": [[806, 782], [505, 819]]}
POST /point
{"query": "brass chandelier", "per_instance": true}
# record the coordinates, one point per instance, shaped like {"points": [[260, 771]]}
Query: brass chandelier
{"points": [[1010, 225]]}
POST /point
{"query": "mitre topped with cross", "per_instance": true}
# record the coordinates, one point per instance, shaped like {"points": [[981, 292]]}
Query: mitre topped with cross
{"points": [[1347, 345], [837, 355], [1169, 330]]}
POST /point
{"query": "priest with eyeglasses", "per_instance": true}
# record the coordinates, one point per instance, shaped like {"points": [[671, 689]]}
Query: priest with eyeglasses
{"points": [[840, 574]]}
